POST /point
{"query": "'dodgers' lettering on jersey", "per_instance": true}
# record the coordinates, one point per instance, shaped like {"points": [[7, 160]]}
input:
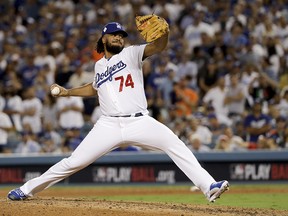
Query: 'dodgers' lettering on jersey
{"points": [[108, 74]]}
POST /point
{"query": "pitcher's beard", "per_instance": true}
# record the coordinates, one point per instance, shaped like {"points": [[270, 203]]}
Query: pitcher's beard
{"points": [[114, 49]]}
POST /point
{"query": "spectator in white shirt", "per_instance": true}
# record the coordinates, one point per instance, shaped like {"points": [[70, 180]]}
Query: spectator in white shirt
{"points": [[5, 127], [79, 77], [32, 110], [196, 128], [196, 145], [70, 111], [193, 32], [235, 97], [216, 98], [283, 104], [13, 107]]}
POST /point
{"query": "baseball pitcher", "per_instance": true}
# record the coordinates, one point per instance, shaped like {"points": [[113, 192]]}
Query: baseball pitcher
{"points": [[118, 81]]}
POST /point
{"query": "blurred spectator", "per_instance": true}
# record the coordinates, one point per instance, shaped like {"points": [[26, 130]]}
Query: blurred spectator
{"points": [[215, 97], [193, 31], [72, 139], [28, 72], [276, 136], [13, 107], [237, 15], [256, 123], [70, 112], [32, 110], [48, 145], [155, 102], [49, 111], [201, 59], [283, 80], [236, 143], [235, 98], [283, 104], [266, 28], [5, 127], [80, 77], [249, 74], [223, 144], [262, 88], [264, 143], [195, 144], [157, 77], [274, 113], [187, 67], [124, 10], [166, 88], [10, 77], [43, 58], [40, 84], [205, 135], [179, 126], [208, 77], [50, 132], [215, 127], [27, 145], [230, 143], [236, 37], [239, 129], [286, 137], [184, 98]]}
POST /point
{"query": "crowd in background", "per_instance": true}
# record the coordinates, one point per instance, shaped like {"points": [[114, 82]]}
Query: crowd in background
{"points": [[221, 84]]}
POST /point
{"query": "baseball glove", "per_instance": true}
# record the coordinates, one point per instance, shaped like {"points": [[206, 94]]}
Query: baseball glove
{"points": [[151, 27]]}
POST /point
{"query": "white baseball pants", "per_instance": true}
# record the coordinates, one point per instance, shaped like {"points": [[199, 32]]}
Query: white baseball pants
{"points": [[110, 132]]}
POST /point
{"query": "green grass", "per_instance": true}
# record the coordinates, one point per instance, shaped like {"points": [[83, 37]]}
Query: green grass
{"points": [[270, 196]]}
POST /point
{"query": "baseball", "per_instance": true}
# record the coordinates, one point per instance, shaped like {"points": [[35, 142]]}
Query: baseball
{"points": [[55, 91]]}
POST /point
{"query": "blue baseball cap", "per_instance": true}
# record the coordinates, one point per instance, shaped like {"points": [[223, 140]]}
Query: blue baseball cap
{"points": [[113, 27]]}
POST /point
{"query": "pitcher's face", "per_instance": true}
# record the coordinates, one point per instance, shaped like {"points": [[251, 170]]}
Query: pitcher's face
{"points": [[114, 43]]}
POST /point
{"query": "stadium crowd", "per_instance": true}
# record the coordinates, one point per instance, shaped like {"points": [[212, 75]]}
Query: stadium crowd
{"points": [[222, 83]]}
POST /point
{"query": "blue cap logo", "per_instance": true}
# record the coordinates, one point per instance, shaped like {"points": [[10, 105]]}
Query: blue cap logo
{"points": [[113, 27]]}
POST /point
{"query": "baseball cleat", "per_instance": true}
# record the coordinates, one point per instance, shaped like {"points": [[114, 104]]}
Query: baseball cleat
{"points": [[216, 189], [16, 194]]}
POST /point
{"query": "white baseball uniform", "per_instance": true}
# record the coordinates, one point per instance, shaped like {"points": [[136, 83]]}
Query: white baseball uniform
{"points": [[119, 83]]}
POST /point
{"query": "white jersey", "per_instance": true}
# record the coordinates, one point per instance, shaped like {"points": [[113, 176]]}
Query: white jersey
{"points": [[119, 82]]}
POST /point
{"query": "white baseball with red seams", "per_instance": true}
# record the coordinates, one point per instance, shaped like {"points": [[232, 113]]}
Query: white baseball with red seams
{"points": [[119, 83]]}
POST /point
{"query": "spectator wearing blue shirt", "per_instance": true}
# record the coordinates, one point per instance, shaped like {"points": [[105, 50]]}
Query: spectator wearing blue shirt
{"points": [[256, 123], [29, 71]]}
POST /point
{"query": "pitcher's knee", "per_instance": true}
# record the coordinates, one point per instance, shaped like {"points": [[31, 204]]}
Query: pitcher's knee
{"points": [[71, 163]]}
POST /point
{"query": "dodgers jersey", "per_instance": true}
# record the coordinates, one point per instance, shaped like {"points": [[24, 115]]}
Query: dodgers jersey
{"points": [[119, 82]]}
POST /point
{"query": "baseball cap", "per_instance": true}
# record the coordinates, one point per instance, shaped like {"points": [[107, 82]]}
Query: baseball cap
{"points": [[113, 27]]}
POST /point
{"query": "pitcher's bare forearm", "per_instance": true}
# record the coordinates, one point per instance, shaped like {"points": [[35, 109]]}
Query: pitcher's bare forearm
{"points": [[86, 90], [83, 91], [156, 46]]}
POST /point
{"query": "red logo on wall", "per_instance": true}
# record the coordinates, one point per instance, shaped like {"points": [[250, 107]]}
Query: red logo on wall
{"points": [[11, 175]]}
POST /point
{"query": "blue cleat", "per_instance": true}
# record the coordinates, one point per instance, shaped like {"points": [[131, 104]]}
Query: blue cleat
{"points": [[16, 194], [216, 189]]}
